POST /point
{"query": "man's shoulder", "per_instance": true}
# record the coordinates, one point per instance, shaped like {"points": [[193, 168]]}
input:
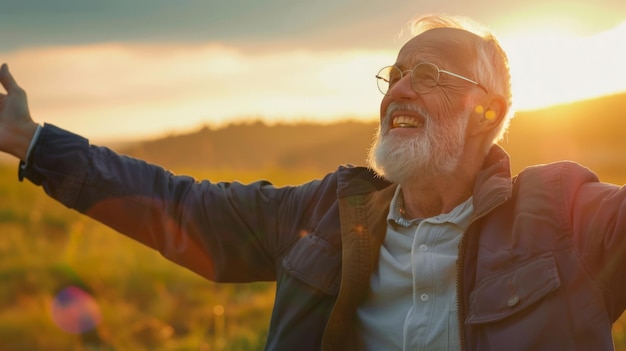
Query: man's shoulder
{"points": [[565, 172], [553, 184]]}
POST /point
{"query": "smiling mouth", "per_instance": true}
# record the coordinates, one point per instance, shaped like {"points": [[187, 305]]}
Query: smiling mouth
{"points": [[407, 122]]}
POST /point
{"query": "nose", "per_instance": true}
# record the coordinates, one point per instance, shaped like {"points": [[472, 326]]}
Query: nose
{"points": [[403, 89]]}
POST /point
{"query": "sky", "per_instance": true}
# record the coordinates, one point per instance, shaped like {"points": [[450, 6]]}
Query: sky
{"points": [[128, 69]]}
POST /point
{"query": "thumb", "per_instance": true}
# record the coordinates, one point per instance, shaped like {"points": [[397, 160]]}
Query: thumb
{"points": [[7, 79]]}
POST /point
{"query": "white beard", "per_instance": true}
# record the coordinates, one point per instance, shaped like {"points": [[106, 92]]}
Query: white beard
{"points": [[435, 151]]}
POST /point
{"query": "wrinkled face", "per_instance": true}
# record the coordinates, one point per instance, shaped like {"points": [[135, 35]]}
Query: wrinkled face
{"points": [[425, 134]]}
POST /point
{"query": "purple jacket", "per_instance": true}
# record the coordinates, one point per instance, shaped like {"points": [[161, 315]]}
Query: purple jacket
{"points": [[538, 269]]}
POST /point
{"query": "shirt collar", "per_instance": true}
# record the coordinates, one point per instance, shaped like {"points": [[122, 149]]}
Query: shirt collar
{"points": [[460, 215]]}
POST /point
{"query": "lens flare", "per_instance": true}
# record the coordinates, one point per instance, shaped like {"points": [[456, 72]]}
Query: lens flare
{"points": [[75, 311]]}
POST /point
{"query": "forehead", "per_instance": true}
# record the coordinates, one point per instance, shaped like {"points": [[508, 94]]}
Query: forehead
{"points": [[445, 46]]}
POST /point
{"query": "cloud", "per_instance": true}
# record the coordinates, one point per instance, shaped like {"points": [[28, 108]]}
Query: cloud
{"points": [[123, 90], [322, 23], [148, 85]]}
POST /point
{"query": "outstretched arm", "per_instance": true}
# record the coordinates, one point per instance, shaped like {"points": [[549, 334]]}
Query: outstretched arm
{"points": [[222, 231], [16, 126]]}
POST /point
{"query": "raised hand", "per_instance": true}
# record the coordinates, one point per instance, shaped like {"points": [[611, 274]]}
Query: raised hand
{"points": [[16, 125]]}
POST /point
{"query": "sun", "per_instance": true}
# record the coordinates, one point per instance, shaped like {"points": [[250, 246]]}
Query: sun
{"points": [[552, 65]]}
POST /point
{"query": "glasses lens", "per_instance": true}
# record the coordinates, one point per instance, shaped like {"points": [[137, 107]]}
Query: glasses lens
{"points": [[425, 77], [387, 77]]}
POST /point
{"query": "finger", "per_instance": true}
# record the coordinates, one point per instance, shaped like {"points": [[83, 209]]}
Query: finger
{"points": [[9, 84]]}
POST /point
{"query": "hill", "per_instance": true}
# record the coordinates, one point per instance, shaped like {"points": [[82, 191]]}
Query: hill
{"points": [[590, 132], [257, 146]]}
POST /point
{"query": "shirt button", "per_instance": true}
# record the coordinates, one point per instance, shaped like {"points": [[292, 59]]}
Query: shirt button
{"points": [[512, 301], [423, 248], [424, 297]]}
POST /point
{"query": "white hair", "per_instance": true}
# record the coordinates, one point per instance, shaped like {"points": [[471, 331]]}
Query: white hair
{"points": [[492, 64]]}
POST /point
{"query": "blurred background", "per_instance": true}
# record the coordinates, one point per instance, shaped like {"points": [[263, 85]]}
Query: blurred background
{"points": [[278, 90]]}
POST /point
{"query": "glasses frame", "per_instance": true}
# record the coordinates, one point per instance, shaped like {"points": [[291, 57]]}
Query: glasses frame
{"points": [[439, 71]]}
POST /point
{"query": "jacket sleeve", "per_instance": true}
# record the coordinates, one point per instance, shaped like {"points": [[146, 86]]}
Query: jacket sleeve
{"points": [[222, 231], [598, 217]]}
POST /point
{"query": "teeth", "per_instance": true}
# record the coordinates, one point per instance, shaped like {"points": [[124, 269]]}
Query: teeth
{"points": [[406, 122]]}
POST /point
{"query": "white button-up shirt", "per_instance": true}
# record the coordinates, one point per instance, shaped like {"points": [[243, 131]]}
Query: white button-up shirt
{"points": [[411, 304]]}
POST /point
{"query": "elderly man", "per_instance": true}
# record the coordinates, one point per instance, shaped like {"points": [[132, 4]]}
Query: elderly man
{"points": [[435, 247]]}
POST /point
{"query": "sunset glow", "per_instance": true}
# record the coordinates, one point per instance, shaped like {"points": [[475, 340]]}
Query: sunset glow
{"points": [[551, 66], [156, 89], [118, 91]]}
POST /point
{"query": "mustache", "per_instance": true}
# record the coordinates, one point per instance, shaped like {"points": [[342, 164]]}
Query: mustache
{"points": [[385, 124]]}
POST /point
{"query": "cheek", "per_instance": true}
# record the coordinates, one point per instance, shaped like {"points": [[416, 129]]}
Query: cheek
{"points": [[448, 103], [384, 104]]}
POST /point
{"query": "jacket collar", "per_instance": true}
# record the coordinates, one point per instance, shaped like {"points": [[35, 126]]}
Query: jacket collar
{"points": [[493, 182], [358, 180]]}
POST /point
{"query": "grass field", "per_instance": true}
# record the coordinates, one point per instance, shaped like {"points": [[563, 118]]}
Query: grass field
{"points": [[51, 257], [142, 301]]}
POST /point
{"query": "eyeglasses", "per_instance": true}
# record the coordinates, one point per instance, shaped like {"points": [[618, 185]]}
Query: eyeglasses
{"points": [[424, 77]]}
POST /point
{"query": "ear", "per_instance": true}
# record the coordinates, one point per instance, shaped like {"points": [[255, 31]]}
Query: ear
{"points": [[489, 114]]}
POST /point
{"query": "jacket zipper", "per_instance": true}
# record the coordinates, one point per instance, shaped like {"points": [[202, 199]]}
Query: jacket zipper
{"points": [[460, 307]]}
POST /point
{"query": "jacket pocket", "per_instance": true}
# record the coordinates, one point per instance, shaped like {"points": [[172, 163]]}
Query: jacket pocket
{"points": [[315, 262], [506, 294]]}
